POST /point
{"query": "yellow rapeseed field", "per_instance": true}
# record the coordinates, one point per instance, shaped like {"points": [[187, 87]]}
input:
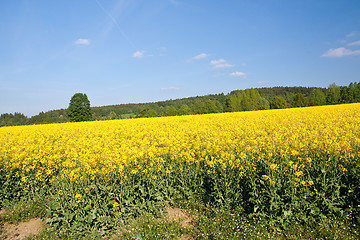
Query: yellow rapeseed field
{"points": [[287, 165], [291, 137]]}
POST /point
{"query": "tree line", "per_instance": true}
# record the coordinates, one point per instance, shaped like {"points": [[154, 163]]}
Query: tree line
{"points": [[238, 100]]}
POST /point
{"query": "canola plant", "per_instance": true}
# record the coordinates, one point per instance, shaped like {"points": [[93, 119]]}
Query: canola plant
{"points": [[291, 164]]}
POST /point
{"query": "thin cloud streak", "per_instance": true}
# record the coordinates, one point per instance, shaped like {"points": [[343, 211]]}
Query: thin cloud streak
{"points": [[115, 23], [340, 52], [237, 74], [220, 63], [357, 43], [353, 34], [82, 41], [201, 56]]}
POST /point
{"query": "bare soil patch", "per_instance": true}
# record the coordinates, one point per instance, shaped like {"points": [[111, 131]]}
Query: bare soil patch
{"points": [[178, 214], [21, 230]]}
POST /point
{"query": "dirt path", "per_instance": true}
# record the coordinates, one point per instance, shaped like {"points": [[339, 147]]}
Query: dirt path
{"points": [[178, 214], [21, 230]]}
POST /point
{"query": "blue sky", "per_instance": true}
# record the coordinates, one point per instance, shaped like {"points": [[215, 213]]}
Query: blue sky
{"points": [[130, 51]]}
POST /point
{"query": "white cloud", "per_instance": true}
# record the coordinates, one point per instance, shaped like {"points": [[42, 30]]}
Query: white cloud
{"points": [[82, 41], [170, 89], [352, 34], [221, 63], [201, 56], [237, 74], [262, 82], [340, 52], [138, 54], [357, 43]]}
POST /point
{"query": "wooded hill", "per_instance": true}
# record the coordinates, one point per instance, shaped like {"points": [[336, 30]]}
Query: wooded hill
{"points": [[238, 100]]}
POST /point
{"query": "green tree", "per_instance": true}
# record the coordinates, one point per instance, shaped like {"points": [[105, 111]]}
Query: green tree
{"points": [[263, 104], [184, 110], [9, 119], [148, 112], [245, 100], [112, 115], [350, 94], [233, 103], [317, 97], [170, 111], [357, 92], [212, 106], [278, 103], [333, 94], [151, 113], [199, 107], [299, 101], [79, 108]]}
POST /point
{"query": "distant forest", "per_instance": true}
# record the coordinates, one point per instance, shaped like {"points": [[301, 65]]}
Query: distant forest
{"points": [[238, 100]]}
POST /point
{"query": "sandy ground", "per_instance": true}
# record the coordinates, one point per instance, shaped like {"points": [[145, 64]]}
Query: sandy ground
{"points": [[21, 230], [177, 214]]}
